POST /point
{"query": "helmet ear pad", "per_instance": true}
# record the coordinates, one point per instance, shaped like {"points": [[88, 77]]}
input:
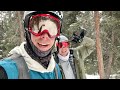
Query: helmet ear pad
{"points": [[61, 28]]}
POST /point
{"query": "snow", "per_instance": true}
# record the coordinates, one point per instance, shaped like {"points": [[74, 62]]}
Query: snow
{"points": [[0, 56], [92, 76], [113, 76]]}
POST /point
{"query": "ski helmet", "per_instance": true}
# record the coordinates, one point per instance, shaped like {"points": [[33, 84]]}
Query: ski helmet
{"points": [[63, 38], [28, 14]]}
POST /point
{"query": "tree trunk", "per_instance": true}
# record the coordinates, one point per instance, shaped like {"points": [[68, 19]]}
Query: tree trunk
{"points": [[19, 14], [98, 45], [108, 70]]}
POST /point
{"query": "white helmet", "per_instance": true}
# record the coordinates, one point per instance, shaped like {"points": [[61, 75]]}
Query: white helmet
{"points": [[63, 38], [28, 14], [59, 14]]}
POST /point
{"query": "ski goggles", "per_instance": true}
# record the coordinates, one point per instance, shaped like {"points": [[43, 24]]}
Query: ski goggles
{"points": [[49, 27], [62, 44]]}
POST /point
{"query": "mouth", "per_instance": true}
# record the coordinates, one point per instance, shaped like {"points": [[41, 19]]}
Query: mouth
{"points": [[43, 45]]}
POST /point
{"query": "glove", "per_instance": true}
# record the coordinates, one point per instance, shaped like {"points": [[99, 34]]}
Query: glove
{"points": [[78, 35]]}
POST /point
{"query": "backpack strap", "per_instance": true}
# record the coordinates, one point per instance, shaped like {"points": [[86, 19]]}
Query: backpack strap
{"points": [[56, 57], [61, 71], [22, 66], [57, 61], [72, 63], [56, 73]]}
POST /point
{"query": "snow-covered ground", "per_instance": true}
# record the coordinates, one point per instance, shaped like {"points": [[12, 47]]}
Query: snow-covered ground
{"points": [[113, 76], [92, 76]]}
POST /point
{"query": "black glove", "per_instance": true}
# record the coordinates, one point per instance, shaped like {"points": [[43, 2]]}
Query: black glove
{"points": [[78, 35]]}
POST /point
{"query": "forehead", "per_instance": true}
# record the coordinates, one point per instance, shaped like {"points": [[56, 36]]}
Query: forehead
{"points": [[46, 24], [38, 20]]}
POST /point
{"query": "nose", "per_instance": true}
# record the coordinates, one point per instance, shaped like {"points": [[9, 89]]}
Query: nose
{"points": [[64, 48], [44, 36]]}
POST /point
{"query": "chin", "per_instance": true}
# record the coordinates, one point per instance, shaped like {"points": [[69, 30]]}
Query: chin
{"points": [[43, 50], [63, 54]]}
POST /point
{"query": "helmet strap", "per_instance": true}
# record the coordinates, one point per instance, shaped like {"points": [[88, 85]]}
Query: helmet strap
{"points": [[58, 39]]}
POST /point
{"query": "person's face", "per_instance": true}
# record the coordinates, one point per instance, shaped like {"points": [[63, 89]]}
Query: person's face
{"points": [[44, 42], [63, 51]]}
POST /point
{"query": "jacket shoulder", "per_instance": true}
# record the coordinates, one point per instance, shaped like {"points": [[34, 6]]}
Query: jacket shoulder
{"points": [[9, 66]]}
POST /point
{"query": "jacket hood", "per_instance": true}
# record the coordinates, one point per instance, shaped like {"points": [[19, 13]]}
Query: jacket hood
{"points": [[32, 64]]}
